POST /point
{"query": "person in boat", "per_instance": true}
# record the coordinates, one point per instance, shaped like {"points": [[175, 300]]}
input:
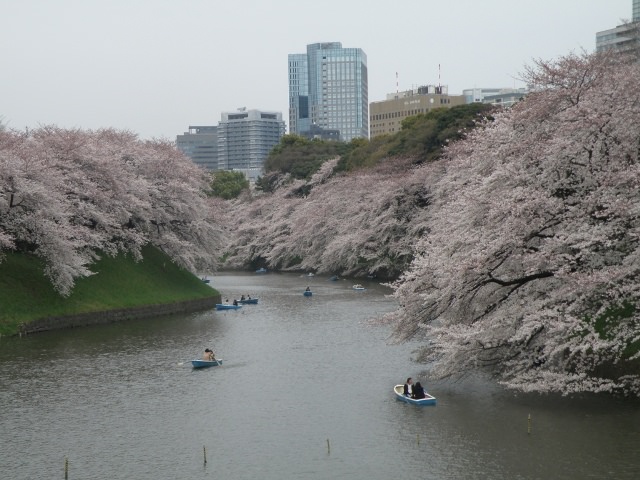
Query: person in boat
{"points": [[208, 356], [248, 297], [308, 289], [235, 302], [417, 391], [242, 297], [408, 387]]}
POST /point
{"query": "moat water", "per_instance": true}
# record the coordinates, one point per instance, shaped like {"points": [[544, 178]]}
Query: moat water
{"points": [[305, 392]]}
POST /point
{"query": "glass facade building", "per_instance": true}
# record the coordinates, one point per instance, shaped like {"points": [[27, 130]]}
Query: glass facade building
{"points": [[329, 91]]}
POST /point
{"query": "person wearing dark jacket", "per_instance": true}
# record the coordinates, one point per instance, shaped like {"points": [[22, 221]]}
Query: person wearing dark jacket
{"points": [[417, 391]]}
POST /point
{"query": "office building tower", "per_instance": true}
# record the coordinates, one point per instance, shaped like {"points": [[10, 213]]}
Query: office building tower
{"points": [[624, 38], [200, 144], [245, 138], [328, 92]]}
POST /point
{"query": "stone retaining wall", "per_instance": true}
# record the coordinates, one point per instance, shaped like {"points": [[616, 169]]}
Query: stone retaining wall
{"points": [[110, 316]]}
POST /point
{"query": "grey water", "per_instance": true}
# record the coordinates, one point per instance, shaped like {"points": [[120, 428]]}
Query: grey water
{"points": [[304, 392]]}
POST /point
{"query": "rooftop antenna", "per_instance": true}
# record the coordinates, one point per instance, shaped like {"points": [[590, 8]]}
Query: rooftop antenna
{"points": [[439, 84], [397, 89]]}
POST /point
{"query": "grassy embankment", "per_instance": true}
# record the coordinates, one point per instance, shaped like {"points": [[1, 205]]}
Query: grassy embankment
{"points": [[26, 295]]}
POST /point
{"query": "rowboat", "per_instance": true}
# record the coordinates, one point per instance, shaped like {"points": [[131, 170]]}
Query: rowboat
{"points": [[248, 301], [427, 400], [357, 286], [206, 363], [227, 306], [307, 293], [261, 270]]}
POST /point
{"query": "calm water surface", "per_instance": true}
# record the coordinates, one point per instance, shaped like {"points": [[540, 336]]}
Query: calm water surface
{"points": [[305, 392]]}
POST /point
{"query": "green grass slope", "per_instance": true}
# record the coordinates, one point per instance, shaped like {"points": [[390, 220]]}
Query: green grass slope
{"points": [[26, 295]]}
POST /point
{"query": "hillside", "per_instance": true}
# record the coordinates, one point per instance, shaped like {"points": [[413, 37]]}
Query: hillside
{"points": [[27, 295]]}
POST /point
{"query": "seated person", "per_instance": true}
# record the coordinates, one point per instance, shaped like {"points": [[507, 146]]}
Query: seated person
{"points": [[407, 387], [418, 391], [208, 355]]}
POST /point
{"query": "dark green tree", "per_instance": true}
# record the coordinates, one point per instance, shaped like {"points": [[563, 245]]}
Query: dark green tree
{"points": [[301, 157], [228, 184]]}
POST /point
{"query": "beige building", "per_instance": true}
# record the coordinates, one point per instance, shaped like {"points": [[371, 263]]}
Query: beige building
{"points": [[385, 117]]}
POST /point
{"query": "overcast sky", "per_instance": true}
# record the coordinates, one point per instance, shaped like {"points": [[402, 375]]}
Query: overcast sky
{"points": [[157, 66]]}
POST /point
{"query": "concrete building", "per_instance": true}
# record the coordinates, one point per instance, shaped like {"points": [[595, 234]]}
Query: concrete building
{"points": [[496, 96], [624, 38], [245, 138], [328, 92], [386, 116], [200, 144]]}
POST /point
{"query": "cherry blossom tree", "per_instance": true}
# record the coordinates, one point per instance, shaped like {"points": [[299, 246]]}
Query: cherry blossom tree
{"points": [[356, 224], [70, 195], [531, 265]]}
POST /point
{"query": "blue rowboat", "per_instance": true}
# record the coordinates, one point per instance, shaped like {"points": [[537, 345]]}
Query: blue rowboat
{"points": [[261, 270], [248, 301], [427, 400], [308, 293], [227, 306], [206, 363]]}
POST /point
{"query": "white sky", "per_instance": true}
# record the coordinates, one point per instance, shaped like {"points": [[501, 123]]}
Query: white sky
{"points": [[157, 66]]}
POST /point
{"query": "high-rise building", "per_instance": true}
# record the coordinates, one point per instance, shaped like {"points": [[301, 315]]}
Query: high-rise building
{"points": [[329, 92], [245, 138], [200, 144], [624, 38]]}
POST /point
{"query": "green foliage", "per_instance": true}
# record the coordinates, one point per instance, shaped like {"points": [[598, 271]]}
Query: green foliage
{"points": [[228, 184], [611, 318], [422, 137], [26, 294], [300, 156], [606, 325]]}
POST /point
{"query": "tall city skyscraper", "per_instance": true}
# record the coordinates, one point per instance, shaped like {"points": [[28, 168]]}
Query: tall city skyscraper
{"points": [[329, 92]]}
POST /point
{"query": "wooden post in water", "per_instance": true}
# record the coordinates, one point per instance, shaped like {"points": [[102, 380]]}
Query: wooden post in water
{"points": [[204, 452], [418, 438], [529, 425], [328, 447], [66, 468]]}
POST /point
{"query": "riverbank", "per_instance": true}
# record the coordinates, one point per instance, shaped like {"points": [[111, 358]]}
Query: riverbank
{"points": [[121, 289]]}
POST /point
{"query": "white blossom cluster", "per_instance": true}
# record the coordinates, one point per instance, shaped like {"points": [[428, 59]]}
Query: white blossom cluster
{"points": [[70, 195]]}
